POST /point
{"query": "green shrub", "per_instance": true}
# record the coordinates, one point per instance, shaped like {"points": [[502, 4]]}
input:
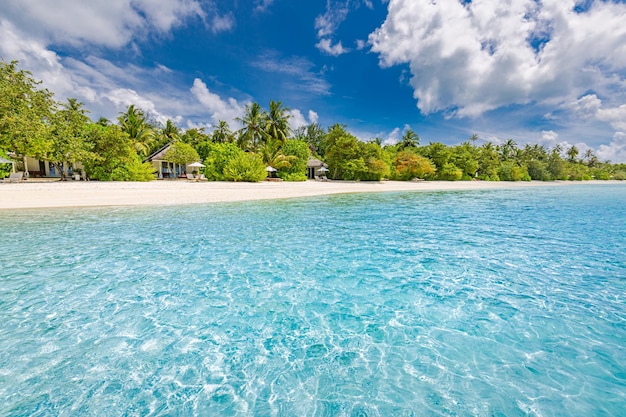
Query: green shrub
{"points": [[245, 167], [296, 177]]}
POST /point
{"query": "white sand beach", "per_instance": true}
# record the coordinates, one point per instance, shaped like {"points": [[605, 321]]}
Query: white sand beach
{"points": [[30, 194]]}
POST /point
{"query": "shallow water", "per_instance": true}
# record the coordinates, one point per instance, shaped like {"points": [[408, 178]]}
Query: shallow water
{"points": [[492, 303]]}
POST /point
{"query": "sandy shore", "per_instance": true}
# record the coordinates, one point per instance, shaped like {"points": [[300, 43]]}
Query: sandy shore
{"points": [[91, 194]]}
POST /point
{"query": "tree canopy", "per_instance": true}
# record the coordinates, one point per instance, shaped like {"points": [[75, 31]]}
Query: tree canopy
{"points": [[33, 124]]}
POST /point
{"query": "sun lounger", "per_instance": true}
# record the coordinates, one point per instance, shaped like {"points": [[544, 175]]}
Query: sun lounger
{"points": [[190, 177], [201, 177], [14, 177]]}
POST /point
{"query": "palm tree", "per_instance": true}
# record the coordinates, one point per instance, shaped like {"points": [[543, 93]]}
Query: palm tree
{"points": [[409, 140], [276, 122], [252, 134], [222, 133], [473, 139], [508, 150], [134, 123], [572, 153], [272, 155]]}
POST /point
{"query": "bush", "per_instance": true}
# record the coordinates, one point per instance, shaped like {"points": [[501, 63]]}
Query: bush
{"points": [[245, 167], [450, 172], [296, 177], [218, 155]]}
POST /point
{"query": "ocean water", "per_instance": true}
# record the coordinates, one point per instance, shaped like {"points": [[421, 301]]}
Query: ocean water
{"points": [[482, 303]]}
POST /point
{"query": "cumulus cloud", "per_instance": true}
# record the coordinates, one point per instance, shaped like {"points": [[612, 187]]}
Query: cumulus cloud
{"points": [[549, 137], [592, 107], [217, 107], [614, 151], [110, 23], [471, 57], [297, 119], [326, 46]]}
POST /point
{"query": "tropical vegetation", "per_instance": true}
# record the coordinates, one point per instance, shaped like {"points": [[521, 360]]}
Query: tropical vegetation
{"points": [[33, 124]]}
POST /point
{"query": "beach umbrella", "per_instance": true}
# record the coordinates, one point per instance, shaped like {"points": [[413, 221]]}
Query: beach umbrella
{"points": [[197, 165], [323, 169], [269, 170]]}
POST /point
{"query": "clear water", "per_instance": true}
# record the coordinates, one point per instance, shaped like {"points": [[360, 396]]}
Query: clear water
{"points": [[499, 303]]}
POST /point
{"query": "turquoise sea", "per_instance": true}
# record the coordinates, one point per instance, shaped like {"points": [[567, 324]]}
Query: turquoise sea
{"points": [[481, 303]]}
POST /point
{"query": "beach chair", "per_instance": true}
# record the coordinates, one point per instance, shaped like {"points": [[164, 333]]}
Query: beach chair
{"points": [[201, 177], [14, 177], [317, 178], [324, 178], [190, 177]]}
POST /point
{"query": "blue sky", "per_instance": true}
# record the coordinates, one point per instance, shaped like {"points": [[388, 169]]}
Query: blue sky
{"points": [[550, 72]]}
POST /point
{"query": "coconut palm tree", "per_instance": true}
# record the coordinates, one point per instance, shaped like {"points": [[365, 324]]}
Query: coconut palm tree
{"points": [[252, 134], [276, 121], [133, 122], [409, 140], [272, 155], [222, 133]]}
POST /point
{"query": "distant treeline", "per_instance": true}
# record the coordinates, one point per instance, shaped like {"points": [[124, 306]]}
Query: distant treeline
{"points": [[33, 124]]}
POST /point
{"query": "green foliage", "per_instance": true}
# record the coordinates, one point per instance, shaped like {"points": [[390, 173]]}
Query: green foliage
{"points": [[295, 177], [301, 151], [600, 174], [132, 169], [68, 135], [449, 172], [488, 163], [538, 171], [141, 133], [272, 155], [509, 171], [222, 133], [25, 113], [245, 167], [252, 135], [113, 157], [276, 122], [5, 169], [351, 159], [465, 157], [314, 136], [181, 153], [218, 155], [577, 172], [408, 165]]}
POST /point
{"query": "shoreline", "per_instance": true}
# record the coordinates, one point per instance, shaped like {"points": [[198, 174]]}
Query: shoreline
{"points": [[58, 194]]}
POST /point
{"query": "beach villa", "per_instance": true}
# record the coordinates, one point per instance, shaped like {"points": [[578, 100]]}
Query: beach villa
{"points": [[166, 169]]}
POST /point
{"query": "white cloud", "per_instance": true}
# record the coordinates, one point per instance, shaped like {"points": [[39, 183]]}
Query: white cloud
{"points": [[124, 97], [614, 151], [327, 23], [592, 107], [549, 137], [325, 45], [469, 58], [313, 117], [299, 71], [110, 23], [222, 23], [218, 108], [297, 119], [262, 5]]}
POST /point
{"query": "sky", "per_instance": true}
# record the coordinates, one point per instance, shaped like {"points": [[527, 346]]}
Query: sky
{"points": [[548, 72]]}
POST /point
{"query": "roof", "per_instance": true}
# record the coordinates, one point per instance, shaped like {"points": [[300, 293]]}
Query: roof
{"points": [[315, 163], [159, 155]]}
